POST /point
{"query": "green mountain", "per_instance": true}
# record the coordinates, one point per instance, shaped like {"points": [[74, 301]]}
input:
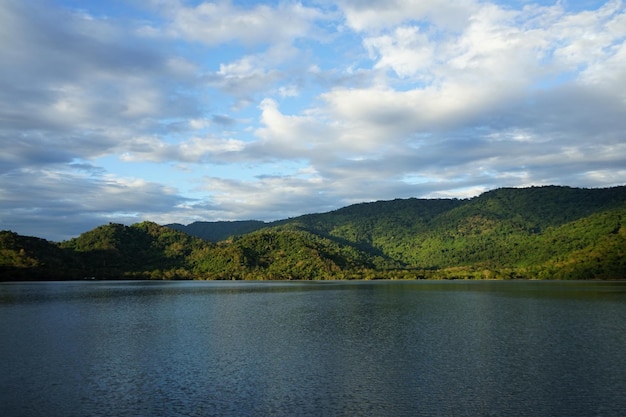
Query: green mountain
{"points": [[285, 252], [143, 250], [509, 231], [217, 231], [539, 232], [32, 258]]}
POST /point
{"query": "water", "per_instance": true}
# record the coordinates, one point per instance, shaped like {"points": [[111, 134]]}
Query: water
{"points": [[313, 348]]}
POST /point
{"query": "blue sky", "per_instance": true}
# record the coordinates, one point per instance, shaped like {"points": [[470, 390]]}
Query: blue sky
{"points": [[182, 111]]}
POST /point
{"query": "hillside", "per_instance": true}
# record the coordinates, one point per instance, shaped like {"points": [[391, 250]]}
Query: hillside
{"points": [[286, 252], [149, 251], [142, 250], [32, 258], [538, 232], [499, 229], [217, 231]]}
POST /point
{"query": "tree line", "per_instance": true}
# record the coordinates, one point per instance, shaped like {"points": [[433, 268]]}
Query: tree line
{"points": [[536, 233]]}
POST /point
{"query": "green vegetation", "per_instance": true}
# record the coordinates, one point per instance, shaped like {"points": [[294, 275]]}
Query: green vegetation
{"points": [[536, 233], [285, 252], [31, 258], [218, 231]]}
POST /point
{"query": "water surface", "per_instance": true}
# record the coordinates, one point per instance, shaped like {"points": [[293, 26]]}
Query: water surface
{"points": [[313, 348]]}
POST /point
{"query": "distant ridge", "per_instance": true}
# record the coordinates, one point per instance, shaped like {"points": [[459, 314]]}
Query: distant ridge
{"points": [[219, 230], [539, 206], [550, 232]]}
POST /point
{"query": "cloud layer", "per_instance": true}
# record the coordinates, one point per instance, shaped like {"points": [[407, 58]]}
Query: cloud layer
{"points": [[178, 111]]}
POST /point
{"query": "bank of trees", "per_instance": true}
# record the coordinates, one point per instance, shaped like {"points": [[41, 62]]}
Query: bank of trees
{"points": [[542, 232]]}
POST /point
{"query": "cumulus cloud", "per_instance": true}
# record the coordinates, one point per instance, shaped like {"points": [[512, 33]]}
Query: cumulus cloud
{"points": [[80, 84], [194, 150], [363, 15], [215, 23], [268, 197], [206, 110], [59, 204]]}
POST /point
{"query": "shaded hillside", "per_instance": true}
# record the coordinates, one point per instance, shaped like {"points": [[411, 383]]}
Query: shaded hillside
{"points": [[32, 258], [217, 231], [149, 251], [286, 253], [142, 250]]}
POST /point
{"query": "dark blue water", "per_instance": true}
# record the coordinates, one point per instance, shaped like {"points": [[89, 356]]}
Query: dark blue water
{"points": [[319, 349]]}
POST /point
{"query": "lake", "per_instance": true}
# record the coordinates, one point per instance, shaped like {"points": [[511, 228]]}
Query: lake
{"points": [[366, 348]]}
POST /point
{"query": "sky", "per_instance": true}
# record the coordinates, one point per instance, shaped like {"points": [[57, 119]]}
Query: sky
{"points": [[177, 111]]}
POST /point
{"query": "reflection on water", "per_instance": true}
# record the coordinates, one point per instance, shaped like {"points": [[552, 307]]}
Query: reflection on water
{"points": [[313, 348]]}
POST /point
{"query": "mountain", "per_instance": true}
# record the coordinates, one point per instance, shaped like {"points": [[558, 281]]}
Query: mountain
{"points": [[217, 231], [502, 228], [548, 232], [142, 250], [32, 258], [286, 252], [149, 251]]}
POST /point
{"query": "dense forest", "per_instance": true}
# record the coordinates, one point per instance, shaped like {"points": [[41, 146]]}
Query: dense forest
{"points": [[535, 233]]}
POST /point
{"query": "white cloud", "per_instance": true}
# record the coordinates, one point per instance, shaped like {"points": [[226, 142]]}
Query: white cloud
{"points": [[287, 136], [373, 16], [406, 51], [288, 91], [222, 22], [59, 204], [267, 197], [327, 104], [194, 150], [243, 78]]}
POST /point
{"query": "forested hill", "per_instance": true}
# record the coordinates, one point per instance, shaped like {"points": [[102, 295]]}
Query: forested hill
{"points": [[536, 207], [548, 231], [539, 232], [221, 230]]}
